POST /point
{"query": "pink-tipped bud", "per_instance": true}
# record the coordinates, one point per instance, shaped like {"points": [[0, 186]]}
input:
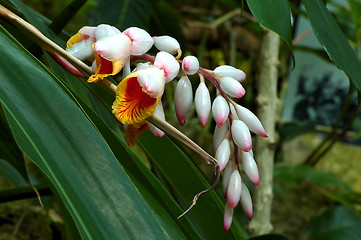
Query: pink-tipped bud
{"points": [[168, 63], [234, 189], [152, 81], [226, 176], [250, 120], [166, 44], [190, 65], [250, 167], [232, 87], [105, 30], [183, 98], [229, 71], [141, 40], [227, 217], [159, 112], [241, 135], [220, 110], [246, 202], [223, 153], [113, 48], [202, 102], [219, 134]]}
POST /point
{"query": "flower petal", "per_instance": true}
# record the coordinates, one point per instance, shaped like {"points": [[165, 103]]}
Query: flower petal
{"points": [[105, 68], [105, 30], [113, 48], [132, 105], [133, 132], [141, 40], [183, 99], [168, 63], [152, 81]]}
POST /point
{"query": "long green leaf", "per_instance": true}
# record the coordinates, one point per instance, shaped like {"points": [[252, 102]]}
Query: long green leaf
{"points": [[333, 40], [274, 15], [56, 135]]}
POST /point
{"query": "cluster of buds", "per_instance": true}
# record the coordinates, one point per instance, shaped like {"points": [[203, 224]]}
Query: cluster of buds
{"points": [[140, 91]]}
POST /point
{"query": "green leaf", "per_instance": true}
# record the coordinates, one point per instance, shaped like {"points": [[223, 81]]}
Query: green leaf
{"points": [[296, 175], [9, 150], [11, 174], [122, 13], [55, 134], [333, 40], [273, 15], [338, 223], [186, 181], [291, 130]]}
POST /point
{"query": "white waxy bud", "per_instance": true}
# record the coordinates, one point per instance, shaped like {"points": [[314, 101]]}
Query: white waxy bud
{"points": [[250, 167], [190, 65], [166, 44], [152, 81], [82, 50], [159, 112], [219, 134], [229, 71], [226, 176], [89, 31], [220, 110], [227, 217], [183, 98], [141, 40], [202, 101], [246, 202], [232, 87], [168, 63], [223, 153], [234, 189], [105, 30], [241, 135], [113, 48], [250, 120]]}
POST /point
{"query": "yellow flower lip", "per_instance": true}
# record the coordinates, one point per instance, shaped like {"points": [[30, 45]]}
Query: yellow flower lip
{"points": [[132, 105]]}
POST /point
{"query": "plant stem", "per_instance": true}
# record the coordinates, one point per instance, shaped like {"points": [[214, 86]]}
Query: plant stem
{"points": [[267, 100]]}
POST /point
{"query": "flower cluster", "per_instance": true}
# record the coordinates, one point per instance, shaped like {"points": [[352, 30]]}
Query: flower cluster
{"points": [[140, 91]]}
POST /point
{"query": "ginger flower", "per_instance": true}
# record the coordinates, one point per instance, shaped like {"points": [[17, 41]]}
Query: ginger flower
{"points": [[138, 95]]}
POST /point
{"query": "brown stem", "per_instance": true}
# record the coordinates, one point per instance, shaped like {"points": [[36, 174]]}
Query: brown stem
{"points": [[267, 111]]}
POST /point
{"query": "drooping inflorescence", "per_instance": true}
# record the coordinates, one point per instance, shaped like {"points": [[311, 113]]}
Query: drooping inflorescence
{"points": [[140, 91]]}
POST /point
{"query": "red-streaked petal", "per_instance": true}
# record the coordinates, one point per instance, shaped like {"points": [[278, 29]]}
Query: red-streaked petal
{"points": [[132, 105], [106, 68]]}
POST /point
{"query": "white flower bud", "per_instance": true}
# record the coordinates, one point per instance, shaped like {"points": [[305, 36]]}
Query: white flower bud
{"points": [[223, 153], [105, 30], [141, 40], [226, 176], [233, 111], [229, 71], [190, 65], [183, 98], [202, 102], [152, 81], [234, 189], [241, 135], [168, 63], [159, 112], [166, 44], [220, 110], [232, 87], [113, 48], [246, 201], [250, 120], [250, 167], [227, 217]]}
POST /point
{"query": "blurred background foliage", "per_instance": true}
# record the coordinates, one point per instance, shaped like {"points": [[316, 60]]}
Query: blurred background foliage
{"points": [[315, 197]]}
